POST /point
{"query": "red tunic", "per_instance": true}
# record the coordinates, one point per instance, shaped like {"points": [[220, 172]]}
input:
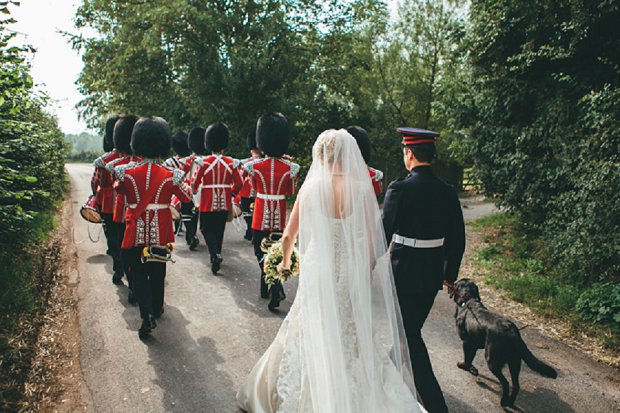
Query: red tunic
{"points": [[119, 199], [104, 180], [154, 226], [273, 179], [247, 191], [376, 176], [217, 179]]}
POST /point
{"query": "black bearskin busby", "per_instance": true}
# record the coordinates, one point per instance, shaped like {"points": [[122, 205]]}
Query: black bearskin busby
{"points": [[151, 137], [179, 144], [252, 140], [216, 137], [363, 141], [109, 132], [196, 141], [122, 133], [273, 134], [107, 146]]}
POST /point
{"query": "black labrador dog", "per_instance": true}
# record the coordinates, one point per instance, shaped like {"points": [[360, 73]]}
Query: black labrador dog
{"points": [[479, 328]]}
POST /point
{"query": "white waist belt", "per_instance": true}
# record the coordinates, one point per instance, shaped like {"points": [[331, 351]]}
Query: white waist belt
{"points": [[215, 186], [417, 243], [271, 197], [150, 206]]}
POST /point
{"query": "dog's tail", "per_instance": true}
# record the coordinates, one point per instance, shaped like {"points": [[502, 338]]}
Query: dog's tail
{"points": [[532, 362]]}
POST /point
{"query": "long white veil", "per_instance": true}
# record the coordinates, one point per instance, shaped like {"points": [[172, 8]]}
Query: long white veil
{"points": [[351, 332]]}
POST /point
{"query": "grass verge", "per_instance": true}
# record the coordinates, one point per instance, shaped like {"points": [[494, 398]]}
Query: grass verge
{"points": [[24, 280], [515, 260]]}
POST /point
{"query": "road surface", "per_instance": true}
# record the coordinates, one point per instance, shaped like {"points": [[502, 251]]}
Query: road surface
{"points": [[216, 327]]}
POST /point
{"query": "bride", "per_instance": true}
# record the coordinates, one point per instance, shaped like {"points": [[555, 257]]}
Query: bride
{"points": [[342, 347]]}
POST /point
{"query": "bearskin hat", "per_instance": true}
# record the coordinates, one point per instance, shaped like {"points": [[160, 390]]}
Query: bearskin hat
{"points": [[122, 133], [252, 140], [196, 141], [179, 144], [109, 131], [363, 141], [107, 146], [216, 137], [151, 137], [273, 134]]}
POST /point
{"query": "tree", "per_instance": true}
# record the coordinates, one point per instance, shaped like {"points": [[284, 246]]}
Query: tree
{"points": [[543, 126]]}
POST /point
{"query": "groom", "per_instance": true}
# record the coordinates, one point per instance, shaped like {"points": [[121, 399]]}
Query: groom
{"points": [[422, 217]]}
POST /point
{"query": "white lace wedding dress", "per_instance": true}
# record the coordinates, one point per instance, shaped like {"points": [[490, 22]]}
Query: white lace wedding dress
{"points": [[341, 348]]}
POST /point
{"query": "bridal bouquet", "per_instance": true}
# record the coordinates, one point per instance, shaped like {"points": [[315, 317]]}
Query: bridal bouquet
{"points": [[271, 261]]}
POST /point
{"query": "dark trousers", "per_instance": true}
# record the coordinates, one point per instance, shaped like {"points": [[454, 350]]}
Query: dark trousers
{"points": [[190, 219], [111, 230], [248, 212], [257, 238], [212, 225], [415, 309], [148, 282]]}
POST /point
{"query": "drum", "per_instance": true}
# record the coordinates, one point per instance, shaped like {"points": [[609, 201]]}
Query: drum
{"points": [[89, 210]]}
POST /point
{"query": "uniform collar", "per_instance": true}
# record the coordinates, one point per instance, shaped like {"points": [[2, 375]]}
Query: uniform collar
{"points": [[421, 169]]}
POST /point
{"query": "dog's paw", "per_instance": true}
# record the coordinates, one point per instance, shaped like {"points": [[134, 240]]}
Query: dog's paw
{"points": [[507, 402], [468, 368]]}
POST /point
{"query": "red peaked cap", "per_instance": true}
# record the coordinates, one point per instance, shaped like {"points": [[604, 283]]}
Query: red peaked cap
{"points": [[415, 136]]}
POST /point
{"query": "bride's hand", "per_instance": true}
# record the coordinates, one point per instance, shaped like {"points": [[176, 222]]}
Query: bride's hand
{"points": [[281, 267]]}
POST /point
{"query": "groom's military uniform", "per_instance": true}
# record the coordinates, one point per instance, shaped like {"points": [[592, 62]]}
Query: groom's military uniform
{"points": [[422, 217]]}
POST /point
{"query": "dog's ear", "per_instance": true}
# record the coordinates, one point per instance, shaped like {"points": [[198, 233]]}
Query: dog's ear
{"points": [[475, 291]]}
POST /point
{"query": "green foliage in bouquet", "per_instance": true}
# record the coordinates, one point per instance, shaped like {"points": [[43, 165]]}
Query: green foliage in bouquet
{"points": [[271, 261]]}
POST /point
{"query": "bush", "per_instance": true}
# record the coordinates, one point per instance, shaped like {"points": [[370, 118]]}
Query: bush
{"points": [[600, 303], [544, 125]]}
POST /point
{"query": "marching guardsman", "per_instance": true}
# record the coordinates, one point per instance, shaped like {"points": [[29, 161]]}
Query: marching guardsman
{"points": [[422, 217], [102, 181], [122, 139], [178, 161], [217, 180], [189, 210], [149, 187], [247, 193], [363, 142], [273, 178]]}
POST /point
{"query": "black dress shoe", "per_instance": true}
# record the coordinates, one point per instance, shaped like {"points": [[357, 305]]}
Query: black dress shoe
{"points": [[117, 278], [148, 324], [276, 298], [216, 263], [193, 246]]}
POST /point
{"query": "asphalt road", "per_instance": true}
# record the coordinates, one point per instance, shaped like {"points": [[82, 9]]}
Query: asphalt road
{"points": [[216, 327]]}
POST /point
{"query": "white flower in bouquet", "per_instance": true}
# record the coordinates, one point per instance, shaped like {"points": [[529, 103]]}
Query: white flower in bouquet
{"points": [[271, 261]]}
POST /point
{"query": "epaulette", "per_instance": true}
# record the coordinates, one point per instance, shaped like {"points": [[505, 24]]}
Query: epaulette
{"points": [[119, 171], [249, 166], [236, 163], [378, 175], [199, 161], [110, 165], [295, 168], [99, 162], [177, 177]]}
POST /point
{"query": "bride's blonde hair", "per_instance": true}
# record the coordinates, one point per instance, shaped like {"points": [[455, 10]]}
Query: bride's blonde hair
{"points": [[324, 148]]}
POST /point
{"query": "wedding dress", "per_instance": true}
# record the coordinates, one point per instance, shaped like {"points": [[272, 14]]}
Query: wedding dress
{"points": [[342, 347]]}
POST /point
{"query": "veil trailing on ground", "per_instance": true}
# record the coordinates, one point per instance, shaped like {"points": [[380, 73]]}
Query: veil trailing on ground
{"points": [[351, 333]]}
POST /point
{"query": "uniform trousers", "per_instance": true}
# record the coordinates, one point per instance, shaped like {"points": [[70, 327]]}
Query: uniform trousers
{"points": [[148, 282], [112, 238], [247, 215], [212, 225], [257, 239], [415, 309], [190, 219]]}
